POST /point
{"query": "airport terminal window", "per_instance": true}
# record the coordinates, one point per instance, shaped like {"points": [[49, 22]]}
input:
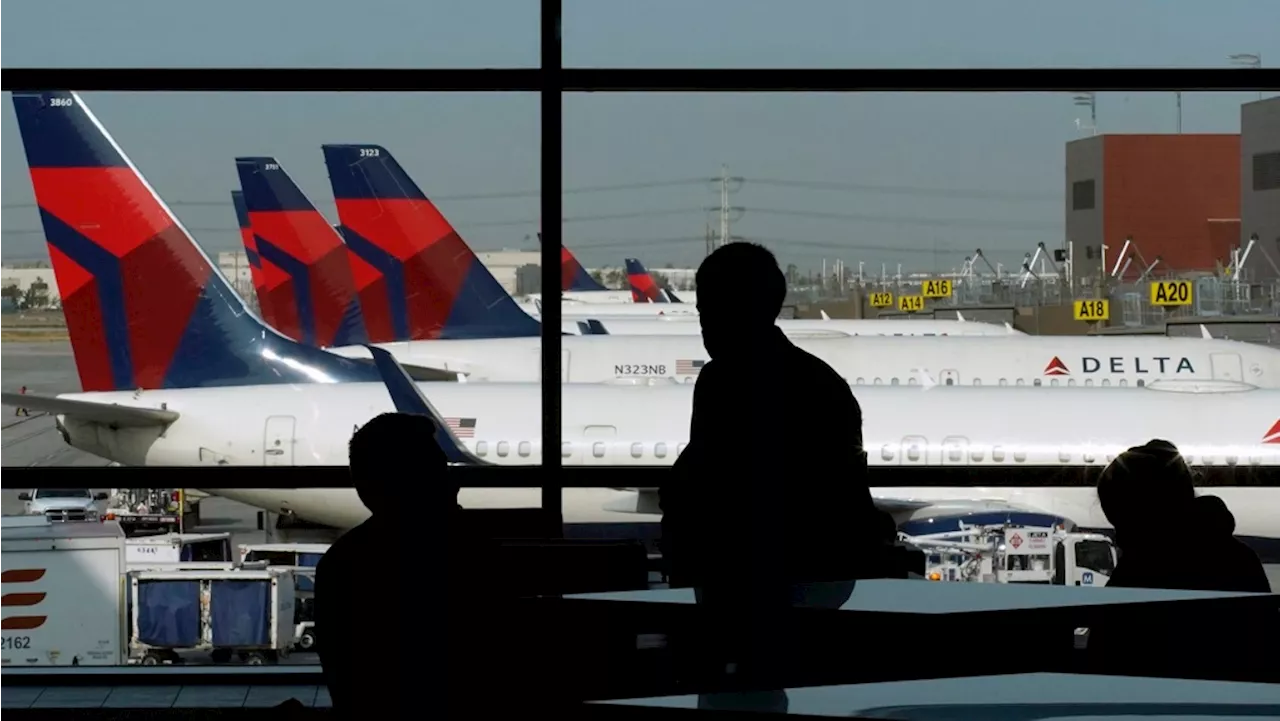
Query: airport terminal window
{"points": [[1082, 195], [1266, 171]]}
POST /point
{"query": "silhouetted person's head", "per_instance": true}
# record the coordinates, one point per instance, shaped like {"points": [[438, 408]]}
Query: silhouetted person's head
{"points": [[396, 460], [740, 294], [1146, 486]]}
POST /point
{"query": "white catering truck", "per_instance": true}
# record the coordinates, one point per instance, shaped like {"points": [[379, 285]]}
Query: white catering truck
{"points": [[63, 593]]}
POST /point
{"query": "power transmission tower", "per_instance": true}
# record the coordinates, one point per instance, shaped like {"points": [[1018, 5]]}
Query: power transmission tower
{"points": [[728, 184]]}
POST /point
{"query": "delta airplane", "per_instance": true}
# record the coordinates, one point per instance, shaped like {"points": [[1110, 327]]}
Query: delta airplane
{"points": [[329, 292], [323, 290], [207, 382]]}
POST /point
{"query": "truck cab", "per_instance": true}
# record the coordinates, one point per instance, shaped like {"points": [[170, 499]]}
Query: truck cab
{"points": [[64, 504], [1083, 559]]}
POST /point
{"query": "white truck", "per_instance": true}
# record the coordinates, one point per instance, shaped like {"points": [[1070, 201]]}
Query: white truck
{"points": [[62, 595], [64, 504], [1017, 554]]}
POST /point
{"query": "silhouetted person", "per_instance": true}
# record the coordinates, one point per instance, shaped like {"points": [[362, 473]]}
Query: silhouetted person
{"points": [[768, 506], [1170, 538], [388, 614], [1146, 493]]}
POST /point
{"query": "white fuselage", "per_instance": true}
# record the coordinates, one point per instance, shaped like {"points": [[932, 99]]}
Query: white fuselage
{"points": [[621, 426], [868, 360], [805, 327], [628, 310]]}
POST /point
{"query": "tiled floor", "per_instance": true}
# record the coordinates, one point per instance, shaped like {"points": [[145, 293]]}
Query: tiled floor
{"points": [[161, 696]]}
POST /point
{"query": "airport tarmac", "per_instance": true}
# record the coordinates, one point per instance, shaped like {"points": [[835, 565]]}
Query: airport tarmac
{"points": [[46, 368]]}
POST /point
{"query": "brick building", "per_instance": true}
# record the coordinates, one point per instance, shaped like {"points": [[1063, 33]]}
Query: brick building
{"points": [[1176, 196]]}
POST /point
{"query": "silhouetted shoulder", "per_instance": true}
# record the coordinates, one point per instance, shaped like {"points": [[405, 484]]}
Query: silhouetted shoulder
{"points": [[818, 372]]}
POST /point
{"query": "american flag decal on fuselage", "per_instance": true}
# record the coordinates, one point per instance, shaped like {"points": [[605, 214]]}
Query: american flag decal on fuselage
{"points": [[689, 367], [462, 427]]}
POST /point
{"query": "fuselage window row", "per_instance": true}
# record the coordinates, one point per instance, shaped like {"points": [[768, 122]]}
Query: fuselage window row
{"points": [[1071, 382]]}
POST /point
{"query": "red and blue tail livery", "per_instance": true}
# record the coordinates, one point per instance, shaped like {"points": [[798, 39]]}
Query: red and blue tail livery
{"points": [[644, 289], [251, 253], [292, 235], [436, 287], [145, 307], [573, 277]]}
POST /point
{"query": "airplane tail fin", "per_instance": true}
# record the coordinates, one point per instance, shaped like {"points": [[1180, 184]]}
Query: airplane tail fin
{"points": [[145, 306], [644, 289], [436, 286], [256, 274], [573, 277], [292, 235]]}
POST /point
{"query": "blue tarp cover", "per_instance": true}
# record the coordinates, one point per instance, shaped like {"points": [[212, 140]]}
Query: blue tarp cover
{"points": [[309, 560], [169, 613], [240, 613]]}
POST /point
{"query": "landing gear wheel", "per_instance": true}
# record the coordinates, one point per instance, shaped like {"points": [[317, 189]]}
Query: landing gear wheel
{"points": [[152, 659]]}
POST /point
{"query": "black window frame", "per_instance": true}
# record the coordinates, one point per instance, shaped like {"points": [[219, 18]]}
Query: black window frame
{"points": [[552, 80]]}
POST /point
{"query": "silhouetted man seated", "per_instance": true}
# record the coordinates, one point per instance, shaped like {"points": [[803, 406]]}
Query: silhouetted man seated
{"points": [[768, 506], [1170, 538], [399, 598]]}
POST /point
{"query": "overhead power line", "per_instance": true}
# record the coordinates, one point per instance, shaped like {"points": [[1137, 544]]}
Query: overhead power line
{"points": [[904, 190], [909, 220]]}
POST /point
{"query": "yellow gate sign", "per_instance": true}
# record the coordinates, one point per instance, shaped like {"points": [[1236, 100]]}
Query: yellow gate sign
{"points": [[882, 300], [910, 303], [1171, 292], [936, 289], [1092, 309]]}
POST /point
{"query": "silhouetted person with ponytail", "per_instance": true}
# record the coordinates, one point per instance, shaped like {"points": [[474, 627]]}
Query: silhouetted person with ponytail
{"points": [[1170, 538], [1148, 493]]}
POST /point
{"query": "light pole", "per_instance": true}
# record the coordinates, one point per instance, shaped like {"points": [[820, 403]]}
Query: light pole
{"points": [[1247, 60], [1089, 99], [1178, 94]]}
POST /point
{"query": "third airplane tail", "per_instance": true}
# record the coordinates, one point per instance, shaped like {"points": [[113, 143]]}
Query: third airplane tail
{"points": [[292, 235], [436, 286]]}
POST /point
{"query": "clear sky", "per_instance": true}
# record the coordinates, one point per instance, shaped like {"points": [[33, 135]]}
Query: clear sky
{"points": [[924, 178]]}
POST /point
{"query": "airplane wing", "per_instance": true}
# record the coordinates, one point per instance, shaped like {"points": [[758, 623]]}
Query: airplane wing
{"points": [[408, 398], [112, 414]]}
